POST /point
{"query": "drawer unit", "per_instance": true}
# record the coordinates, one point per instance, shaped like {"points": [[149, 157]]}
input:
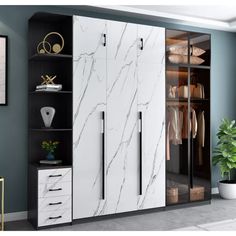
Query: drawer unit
{"points": [[54, 196]]}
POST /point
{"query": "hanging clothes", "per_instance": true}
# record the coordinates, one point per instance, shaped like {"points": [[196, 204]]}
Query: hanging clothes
{"points": [[174, 128], [201, 136], [176, 122], [192, 123]]}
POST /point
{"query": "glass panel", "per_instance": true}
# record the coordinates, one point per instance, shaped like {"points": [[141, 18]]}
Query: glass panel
{"points": [[199, 49], [177, 135], [200, 185], [177, 47]]}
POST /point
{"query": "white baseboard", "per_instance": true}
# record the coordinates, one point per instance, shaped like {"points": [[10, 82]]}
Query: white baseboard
{"points": [[215, 190], [22, 215], [14, 216]]}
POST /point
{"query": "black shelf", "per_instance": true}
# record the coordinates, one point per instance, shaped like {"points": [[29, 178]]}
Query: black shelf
{"points": [[50, 130], [50, 92], [44, 166], [168, 64], [186, 100], [50, 57]]}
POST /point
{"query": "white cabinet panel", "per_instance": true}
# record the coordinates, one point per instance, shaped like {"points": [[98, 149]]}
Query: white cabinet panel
{"points": [[153, 44], [89, 100], [151, 102], [121, 173], [121, 41], [119, 79], [88, 37]]}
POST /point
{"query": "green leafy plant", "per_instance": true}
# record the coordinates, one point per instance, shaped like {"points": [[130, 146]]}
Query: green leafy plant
{"points": [[225, 151], [50, 146]]}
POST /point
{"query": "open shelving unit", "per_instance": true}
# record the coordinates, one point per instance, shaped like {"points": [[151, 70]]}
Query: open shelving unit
{"points": [[60, 65], [188, 164], [50, 64]]}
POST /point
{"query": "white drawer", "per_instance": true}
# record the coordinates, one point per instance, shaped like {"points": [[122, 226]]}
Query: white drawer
{"points": [[54, 175], [54, 217], [54, 203], [54, 189]]}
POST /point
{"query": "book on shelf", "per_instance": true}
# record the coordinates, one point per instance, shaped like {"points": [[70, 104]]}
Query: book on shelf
{"points": [[52, 162], [49, 87]]}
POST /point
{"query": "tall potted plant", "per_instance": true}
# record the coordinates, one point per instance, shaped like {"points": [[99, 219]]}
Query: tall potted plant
{"points": [[225, 157]]}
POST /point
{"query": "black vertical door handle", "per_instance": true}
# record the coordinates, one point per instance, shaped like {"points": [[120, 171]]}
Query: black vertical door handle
{"points": [[141, 48], [140, 155], [104, 40], [103, 155]]}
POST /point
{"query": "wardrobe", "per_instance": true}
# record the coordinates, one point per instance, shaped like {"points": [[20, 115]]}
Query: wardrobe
{"points": [[188, 152], [112, 119], [118, 119]]}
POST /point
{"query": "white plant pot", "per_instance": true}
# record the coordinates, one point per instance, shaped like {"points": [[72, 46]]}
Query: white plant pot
{"points": [[227, 190]]}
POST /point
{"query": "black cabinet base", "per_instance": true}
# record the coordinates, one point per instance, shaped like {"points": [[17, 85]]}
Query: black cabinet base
{"points": [[131, 213]]}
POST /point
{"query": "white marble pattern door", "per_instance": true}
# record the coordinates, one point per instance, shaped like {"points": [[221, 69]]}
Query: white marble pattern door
{"points": [[122, 147], [151, 102], [89, 100]]}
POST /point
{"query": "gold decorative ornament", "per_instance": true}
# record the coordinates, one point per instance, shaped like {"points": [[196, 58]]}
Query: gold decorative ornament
{"points": [[42, 50], [56, 48], [48, 79]]}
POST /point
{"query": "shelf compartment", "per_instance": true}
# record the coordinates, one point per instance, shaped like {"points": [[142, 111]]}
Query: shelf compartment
{"points": [[62, 105], [61, 68], [63, 151]]}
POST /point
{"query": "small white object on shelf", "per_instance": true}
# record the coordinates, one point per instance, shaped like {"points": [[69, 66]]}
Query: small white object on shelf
{"points": [[47, 115]]}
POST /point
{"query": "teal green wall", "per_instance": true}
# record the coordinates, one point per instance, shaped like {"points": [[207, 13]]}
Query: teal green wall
{"points": [[13, 118]]}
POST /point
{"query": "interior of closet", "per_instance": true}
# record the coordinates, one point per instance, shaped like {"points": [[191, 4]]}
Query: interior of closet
{"points": [[187, 117]]}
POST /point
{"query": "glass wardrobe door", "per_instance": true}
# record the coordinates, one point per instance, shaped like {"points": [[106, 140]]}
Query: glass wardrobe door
{"points": [[176, 47], [177, 167], [200, 162]]}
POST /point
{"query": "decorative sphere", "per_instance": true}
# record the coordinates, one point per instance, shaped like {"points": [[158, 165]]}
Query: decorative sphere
{"points": [[41, 51]]}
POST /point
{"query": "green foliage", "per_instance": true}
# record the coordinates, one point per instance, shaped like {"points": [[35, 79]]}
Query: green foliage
{"points": [[50, 146], [225, 151]]}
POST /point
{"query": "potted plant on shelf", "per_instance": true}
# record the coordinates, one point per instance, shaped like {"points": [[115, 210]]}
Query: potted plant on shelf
{"points": [[225, 157], [50, 147]]}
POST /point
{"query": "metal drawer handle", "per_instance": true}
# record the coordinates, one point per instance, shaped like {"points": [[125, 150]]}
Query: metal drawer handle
{"points": [[53, 218], [55, 203], [55, 175], [55, 189]]}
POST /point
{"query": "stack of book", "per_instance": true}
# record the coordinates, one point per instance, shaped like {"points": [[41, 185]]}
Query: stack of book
{"points": [[49, 87]]}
